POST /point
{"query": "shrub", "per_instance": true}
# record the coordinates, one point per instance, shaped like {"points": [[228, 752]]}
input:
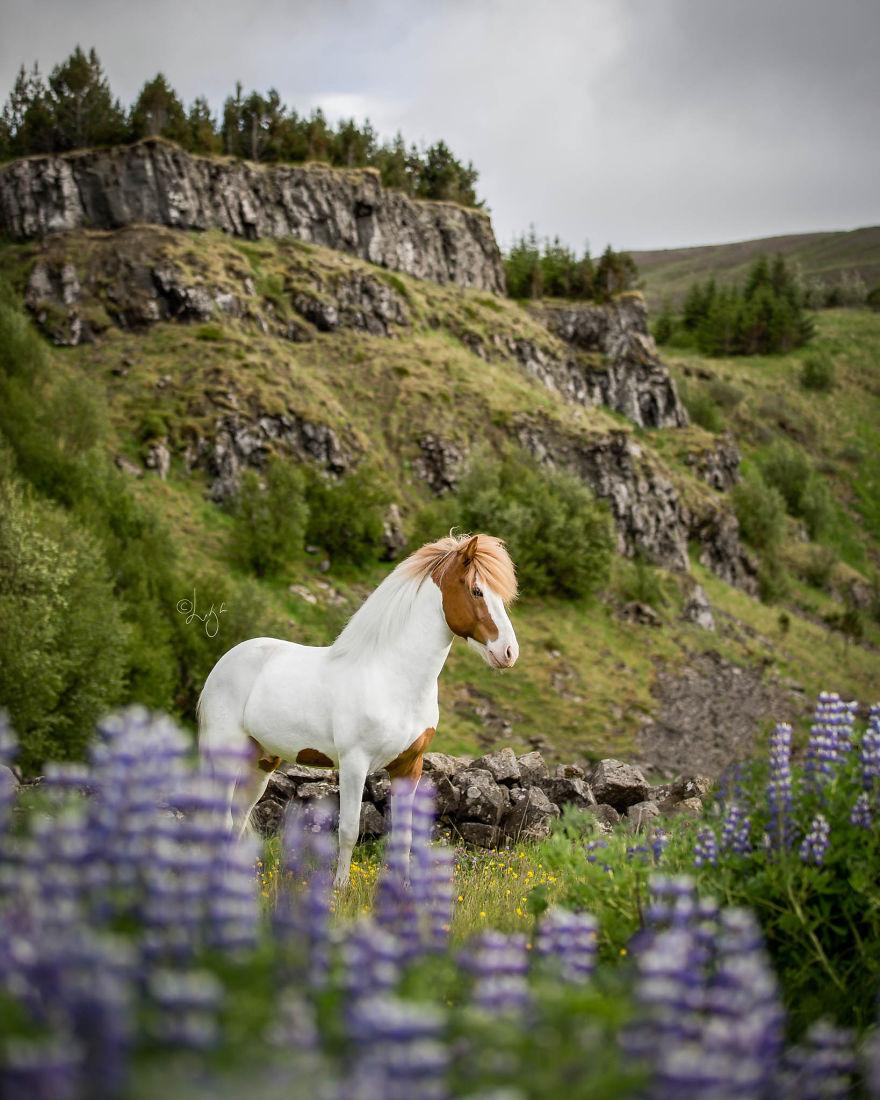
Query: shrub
{"points": [[760, 509], [558, 534], [638, 581], [818, 566], [346, 517], [63, 651], [271, 517], [701, 407], [806, 495], [818, 373]]}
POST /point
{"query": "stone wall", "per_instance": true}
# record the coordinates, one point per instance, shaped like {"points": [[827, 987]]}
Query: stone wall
{"points": [[500, 798], [156, 183]]}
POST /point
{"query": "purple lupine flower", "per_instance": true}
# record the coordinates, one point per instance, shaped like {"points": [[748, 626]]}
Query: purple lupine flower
{"points": [[822, 1067], [744, 1016], [568, 941], [815, 843], [400, 1052], [41, 1069], [870, 752], [830, 738], [414, 896], [499, 966], [861, 815], [302, 915], [659, 840], [779, 788], [706, 848], [592, 848], [371, 957], [736, 830], [188, 1003]]}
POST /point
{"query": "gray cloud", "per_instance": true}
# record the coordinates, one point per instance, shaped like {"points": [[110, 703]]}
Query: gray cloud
{"points": [[647, 123]]}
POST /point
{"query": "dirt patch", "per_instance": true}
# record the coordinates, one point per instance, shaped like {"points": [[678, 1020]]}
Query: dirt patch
{"points": [[710, 715]]}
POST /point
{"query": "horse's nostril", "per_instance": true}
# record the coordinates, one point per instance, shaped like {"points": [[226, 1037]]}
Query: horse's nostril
{"points": [[508, 653]]}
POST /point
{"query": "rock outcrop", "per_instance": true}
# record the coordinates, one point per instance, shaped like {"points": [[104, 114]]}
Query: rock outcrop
{"points": [[631, 378], [648, 515], [499, 799], [156, 183]]}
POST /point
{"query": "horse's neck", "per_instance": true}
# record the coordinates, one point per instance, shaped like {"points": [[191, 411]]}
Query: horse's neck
{"points": [[415, 655]]}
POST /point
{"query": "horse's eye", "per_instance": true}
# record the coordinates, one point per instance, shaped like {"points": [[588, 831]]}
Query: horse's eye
{"points": [[477, 591]]}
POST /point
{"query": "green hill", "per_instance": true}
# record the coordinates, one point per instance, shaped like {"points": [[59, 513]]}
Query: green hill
{"points": [[667, 273], [340, 363]]}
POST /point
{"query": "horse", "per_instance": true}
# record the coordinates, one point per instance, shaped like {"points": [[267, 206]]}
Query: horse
{"points": [[369, 700]]}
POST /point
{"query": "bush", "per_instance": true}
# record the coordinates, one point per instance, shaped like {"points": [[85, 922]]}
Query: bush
{"points": [[638, 581], [806, 495], [818, 373], [271, 517], [760, 509], [63, 646], [559, 535], [701, 408], [818, 567], [347, 517]]}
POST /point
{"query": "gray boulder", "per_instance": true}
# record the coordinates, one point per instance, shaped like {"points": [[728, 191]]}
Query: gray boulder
{"points": [[483, 799], [568, 792], [642, 813], [529, 816], [502, 766], [618, 784], [372, 821], [532, 768], [479, 834]]}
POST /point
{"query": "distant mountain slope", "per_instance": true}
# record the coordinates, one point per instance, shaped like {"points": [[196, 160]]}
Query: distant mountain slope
{"points": [[668, 272]]}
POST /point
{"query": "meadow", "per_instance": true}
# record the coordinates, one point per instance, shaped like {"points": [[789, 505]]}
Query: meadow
{"points": [[147, 953]]}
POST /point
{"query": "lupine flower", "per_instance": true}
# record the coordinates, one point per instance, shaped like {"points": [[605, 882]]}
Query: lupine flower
{"points": [[862, 816], [400, 1053], [303, 913], [568, 941], [830, 738], [592, 848], [414, 897], [869, 753], [188, 1004], [736, 830], [779, 788], [821, 1067], [659, 840], [499, 966], [706, 848], [815, 843]]}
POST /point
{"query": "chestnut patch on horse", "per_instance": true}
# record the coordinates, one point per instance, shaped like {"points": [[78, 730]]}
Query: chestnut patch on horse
{"points": [[464, 605], [314, 758], [408, 765], [264, 762]]}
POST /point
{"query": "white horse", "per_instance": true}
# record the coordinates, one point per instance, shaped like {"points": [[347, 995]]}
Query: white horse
{"points": [[368, 701]]}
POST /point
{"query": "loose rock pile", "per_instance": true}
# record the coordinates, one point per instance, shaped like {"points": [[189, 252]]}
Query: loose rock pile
{"points": [[499, 799]]}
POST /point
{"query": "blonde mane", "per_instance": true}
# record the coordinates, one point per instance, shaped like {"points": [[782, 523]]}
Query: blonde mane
{"points": [[380, 616], [491, 563]]}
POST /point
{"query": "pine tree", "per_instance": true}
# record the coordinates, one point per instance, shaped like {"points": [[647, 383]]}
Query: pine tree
{"points": [[83, 109], [201, 129], [157, 112], [27, 125]]}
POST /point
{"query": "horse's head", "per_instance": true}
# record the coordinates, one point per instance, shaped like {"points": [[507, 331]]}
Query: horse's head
{"points": [[476, 581]]}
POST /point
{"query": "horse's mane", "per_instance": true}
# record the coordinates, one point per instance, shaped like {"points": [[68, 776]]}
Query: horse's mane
{"points": [[380, 616]]}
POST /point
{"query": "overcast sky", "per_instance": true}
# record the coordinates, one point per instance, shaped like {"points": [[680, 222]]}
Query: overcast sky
{"points": [[644, 123]]}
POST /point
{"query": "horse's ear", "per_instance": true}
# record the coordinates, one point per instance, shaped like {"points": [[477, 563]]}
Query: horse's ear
{"points": [[469, 550]]}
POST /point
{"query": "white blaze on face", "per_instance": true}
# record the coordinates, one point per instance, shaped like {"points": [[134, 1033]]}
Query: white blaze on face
{"points": [[504, 650]]}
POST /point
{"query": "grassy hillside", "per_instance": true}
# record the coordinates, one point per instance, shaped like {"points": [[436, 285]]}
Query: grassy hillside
{"points": [[667, 273], [589, 679]]}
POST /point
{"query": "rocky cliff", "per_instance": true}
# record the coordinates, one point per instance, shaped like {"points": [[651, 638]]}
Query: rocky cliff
{"points": [[158, 184]]}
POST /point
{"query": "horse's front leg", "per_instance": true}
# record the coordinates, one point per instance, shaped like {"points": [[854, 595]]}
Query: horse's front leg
{"points": [[352, 775]]}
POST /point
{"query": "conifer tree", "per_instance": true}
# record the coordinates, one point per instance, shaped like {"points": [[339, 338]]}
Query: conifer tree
{"points": [[84, 112], [157, 112]]}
